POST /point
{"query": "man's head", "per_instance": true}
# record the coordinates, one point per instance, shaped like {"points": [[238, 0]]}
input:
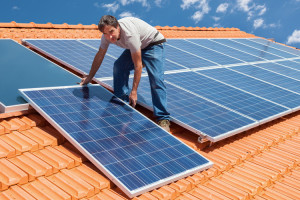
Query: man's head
{"points": [[110, 28]]}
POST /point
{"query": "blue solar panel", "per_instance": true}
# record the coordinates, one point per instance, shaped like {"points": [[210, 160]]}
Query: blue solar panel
{"points": [[189, 46], [263, 55], [113, 50], [186, 59], [286, 68], [294, 64], [270, 77], [131, 150], [21, 67], [74, 54], [242, 102], [195, 113], [256, 87], [265, 47], [226, 50], [275, 45]]}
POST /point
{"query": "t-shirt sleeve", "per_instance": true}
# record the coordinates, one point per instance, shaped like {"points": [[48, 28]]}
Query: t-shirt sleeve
{"points": [[104, 43]]}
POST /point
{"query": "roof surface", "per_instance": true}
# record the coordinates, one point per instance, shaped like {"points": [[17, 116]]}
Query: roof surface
{"points": [[36, 162]]}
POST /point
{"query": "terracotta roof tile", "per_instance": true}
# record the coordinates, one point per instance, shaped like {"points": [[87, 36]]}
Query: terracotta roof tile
{"points": [[15, 192], [44, 189]]}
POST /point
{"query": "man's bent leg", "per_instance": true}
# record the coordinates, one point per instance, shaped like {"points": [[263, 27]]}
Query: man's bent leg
{"points": [[122, 67]]}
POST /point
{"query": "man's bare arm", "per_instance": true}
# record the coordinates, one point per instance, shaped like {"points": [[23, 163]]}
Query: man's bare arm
{"points": [[95, 66], [138, 66]]}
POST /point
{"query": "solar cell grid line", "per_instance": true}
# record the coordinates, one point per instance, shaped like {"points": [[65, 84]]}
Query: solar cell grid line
{"points": [[186, 59], [270, 77], [256, 87], [263, 55], [206, 53], [276, 45], [199, 115], [265, 48], [226, 50], [282, 68], [73, 54], [134, 152]]}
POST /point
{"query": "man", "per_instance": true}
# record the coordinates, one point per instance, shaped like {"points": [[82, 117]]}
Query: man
{"points": [[143, 45]]}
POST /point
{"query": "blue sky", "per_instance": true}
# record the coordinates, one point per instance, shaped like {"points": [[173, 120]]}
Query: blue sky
{"points": [[278, 19]]}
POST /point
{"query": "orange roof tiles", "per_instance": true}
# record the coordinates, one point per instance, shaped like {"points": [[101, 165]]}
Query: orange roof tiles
{"points": [[37, 162]]}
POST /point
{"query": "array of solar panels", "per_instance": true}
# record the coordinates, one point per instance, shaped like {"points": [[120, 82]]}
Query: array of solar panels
{"points": [[216, 87], [135, 153]]}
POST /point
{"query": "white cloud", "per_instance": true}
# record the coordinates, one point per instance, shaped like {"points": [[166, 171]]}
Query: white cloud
{"points": [[216, 18], [113, 7], [127, 2], [15, 8], [258, 23], [222, 8], [126, 14], [295, 37], [261, 8], [244, 5], [158, 3], [201, 6]]}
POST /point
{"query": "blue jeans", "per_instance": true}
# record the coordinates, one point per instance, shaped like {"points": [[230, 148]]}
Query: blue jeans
{"points": [[154, 59]]}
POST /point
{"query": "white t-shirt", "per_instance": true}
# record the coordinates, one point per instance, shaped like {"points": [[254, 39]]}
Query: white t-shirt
{"points": [[135, 34]]}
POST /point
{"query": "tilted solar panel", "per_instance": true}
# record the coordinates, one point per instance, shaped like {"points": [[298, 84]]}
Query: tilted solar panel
{"points": [[135, 153], [73, 54]]}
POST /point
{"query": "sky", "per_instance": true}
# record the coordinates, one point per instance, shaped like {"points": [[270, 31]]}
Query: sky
{"points": [[271, 19]]}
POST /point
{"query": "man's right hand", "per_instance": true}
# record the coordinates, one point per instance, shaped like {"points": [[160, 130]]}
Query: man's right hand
{"points": [[85, 80]]}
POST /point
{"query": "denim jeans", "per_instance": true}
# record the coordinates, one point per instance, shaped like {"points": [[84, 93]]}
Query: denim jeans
{"points": [[154, 59]]}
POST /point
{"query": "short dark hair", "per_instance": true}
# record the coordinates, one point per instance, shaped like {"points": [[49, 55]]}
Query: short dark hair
{"points": [[107, 20]]}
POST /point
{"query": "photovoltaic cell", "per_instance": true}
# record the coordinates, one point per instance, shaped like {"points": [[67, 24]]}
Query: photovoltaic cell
{"points": [[211, 55], [74, 54], [275, 45], [237, 100], [195, 113], [265, 47], [135, 153], [226, 50], [256, 87], [270, 77], [262, 54], [186, 59], [295, 64], [286, 68]]}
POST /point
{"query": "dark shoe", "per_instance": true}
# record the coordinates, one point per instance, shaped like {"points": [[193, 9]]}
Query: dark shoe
{"points": [[165, 124]]}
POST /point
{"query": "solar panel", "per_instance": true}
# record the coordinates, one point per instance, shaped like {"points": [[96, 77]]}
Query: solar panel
{"points": [[275, 45], [230, 97], [21, 67], [244, 56], [189, 46], [259, 88], [270, 77], [203, 117], [263, 55], [294, 64], [135, 153], [286, 68], [265, 48], [73, 54]]}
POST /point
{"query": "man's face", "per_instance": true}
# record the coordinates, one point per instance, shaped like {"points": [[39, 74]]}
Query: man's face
{"points": [[111, 33]]}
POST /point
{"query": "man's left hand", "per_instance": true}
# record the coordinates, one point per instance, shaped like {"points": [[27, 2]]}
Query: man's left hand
{"points": [[133, 98]]}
